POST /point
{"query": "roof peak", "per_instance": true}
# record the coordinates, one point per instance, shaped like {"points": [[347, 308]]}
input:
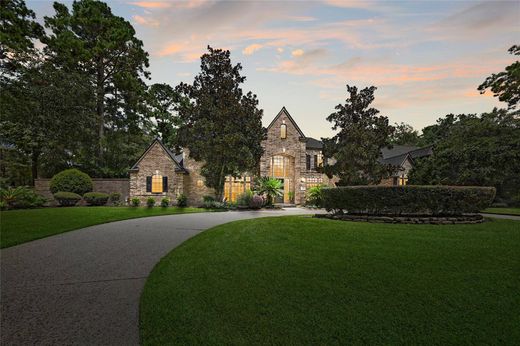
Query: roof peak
{"points": [[286, 112]]}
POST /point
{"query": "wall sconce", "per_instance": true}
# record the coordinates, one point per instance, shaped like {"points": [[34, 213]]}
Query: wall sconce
{"points": [[303, 180]]}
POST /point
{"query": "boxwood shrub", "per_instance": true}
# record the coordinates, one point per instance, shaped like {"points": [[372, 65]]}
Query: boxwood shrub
{"points": [[71, 180], [67, 199], [407, 200], [96, 198]]}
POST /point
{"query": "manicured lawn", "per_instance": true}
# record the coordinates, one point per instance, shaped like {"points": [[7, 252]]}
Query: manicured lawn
{"points": [[20, 226], [299, 280], [507, 211]]}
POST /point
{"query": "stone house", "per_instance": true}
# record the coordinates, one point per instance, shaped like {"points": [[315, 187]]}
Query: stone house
{"points": [[289, 156]]}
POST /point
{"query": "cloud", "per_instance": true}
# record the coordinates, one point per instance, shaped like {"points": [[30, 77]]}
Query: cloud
{"points": [[350, 3], [145, 21], [279, 50], [151, 4], [168, 4], [301, 18], [297, 52], [249, 50]]}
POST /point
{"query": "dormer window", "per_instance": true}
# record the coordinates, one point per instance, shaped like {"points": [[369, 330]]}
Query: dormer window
{"points": [[283, 131]]}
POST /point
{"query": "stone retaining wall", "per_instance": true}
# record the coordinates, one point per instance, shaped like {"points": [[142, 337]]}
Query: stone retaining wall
{"points": [[436, 220], [121, 185]]}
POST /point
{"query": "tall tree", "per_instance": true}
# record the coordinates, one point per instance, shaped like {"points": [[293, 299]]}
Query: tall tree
{"points": [[506, 84], [45, 114], [404, 134], [220, 125], [475, 150], [18, 29], [162, 102], [91, 39], [356, 148]]}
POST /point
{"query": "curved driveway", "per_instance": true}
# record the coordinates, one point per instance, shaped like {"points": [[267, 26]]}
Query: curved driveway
{"points": [[83, 287]]}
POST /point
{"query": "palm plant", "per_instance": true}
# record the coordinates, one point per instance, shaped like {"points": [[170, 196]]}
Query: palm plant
{"points": [[271, 187]]}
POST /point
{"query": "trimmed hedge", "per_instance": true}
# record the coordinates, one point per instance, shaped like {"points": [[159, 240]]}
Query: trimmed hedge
{"points": [[96, 198], [407, 200], [71, 180], [67, 199]]}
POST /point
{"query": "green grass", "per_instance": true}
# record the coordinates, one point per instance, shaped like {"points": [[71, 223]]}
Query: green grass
{"points": [[297, 280], [20, 226], [507, 211]]}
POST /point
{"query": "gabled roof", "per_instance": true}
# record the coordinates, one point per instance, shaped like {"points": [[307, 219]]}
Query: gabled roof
{"points": [[173, 157], [284, 111], [312, 143], [397, 161]]}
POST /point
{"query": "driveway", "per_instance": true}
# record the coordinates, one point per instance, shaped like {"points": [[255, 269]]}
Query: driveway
{"points": [[83, 287]]}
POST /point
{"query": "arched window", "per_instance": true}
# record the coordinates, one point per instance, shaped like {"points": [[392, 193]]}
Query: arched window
{"points": [[283, 131]]}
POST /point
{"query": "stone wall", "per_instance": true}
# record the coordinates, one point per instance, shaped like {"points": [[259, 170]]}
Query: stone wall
{"points": [[156, 159], [194, 187], [122, 186]]}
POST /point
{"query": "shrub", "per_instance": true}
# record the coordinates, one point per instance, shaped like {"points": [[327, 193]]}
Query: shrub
{"points": [[182, 200], [67, 199], [407, 200], [165, 202], [215, 205], [244, 199], [315, 196], [96, 198], [135, 202], [115, 198], [3, 206], [256, 202], [21, 197], [208, 199], [150, 202], [71, 180]]}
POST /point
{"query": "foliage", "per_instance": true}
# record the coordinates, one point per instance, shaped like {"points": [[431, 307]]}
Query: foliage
{"points": [[182, 200], [67, 199], [115, 198], [96, 198], [71, 180], [256, 202], [92, 41], [165, 202], [214, 205], [220, 125], [270, 187], [162, 101], [315, 196], [291, 195], [474, 150], [135, 202], [21, 197], [244, 199], [150, 202], [46, 117], [18, 29], [408, 200], [356, 148], [208, 198], [404, 134], [506, 84]]}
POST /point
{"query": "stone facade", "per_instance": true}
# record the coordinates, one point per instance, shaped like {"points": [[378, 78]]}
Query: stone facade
{"points": [[194, 187], [156, 160]]}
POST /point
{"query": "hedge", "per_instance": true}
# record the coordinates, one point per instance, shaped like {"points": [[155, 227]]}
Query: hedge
{"points": [[67, 199], [96, 198], [71, 180], [407, 200]]}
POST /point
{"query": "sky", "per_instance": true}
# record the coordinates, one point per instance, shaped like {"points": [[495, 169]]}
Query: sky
{"points": [[426, 58]]}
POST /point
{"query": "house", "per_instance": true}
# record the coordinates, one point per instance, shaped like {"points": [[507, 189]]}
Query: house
{"points": [[402, 158], [289, 155]]}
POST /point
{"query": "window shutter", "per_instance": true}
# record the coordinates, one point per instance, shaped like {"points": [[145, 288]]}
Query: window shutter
{"points": [[165, 184], [308, 158], [148, 184], [315, 161]]}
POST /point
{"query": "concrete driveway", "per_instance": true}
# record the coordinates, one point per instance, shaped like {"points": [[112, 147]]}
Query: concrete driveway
{"points": [[83, 287]]}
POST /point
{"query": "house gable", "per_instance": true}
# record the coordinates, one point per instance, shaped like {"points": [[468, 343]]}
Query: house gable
{"points": [[285, 114], [168, 155]]}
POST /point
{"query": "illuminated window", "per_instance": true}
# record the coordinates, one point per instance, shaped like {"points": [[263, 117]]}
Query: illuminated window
{"points": [[278, 169], [319, 160], [283, 131], [233, 187], [157, 183], [403, 180], [313, 181]]}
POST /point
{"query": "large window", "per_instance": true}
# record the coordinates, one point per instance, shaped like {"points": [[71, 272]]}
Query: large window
{"points": [[278, 166], [313, 181], [233, 187], [157, 183]]}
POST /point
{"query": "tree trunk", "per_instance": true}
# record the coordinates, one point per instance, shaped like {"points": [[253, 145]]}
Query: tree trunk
{"points": [[100, 108], [34, 165]]}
